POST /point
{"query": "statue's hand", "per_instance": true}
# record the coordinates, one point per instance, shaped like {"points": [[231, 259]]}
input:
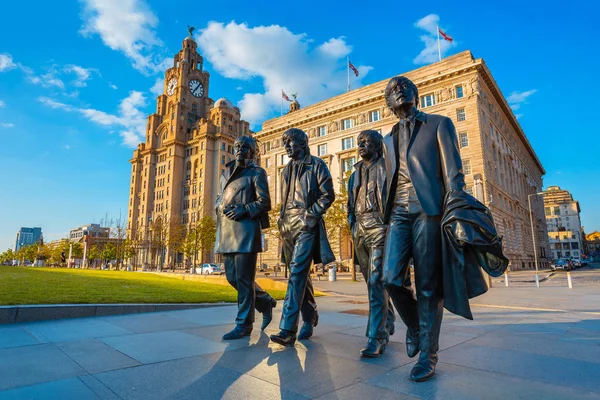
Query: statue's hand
{"points": [[236, 212]]}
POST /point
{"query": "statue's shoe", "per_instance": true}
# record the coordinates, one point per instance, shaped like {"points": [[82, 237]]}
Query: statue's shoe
{"points": [[284, 338], [425, 367], [268, 314], [307, 329], [238, 332], [374, 348], [412, 342]]}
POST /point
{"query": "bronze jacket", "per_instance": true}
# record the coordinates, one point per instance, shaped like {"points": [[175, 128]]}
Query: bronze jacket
{"points": [[433, 161], [247, 186], [318, 195], [470, 244], [354, 185]]}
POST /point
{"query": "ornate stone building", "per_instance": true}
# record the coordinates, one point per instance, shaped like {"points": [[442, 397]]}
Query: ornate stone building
{"points": [[565, 233], [189, 139], [500, 166]]}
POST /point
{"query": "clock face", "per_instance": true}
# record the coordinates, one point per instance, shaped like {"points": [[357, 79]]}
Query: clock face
{"points": [[171, 87], [196, 88]]}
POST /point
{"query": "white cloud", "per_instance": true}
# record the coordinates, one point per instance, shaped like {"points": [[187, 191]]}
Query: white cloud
{"points": [[83, 74], [6, 125], [130, 118], [281, 60], [429, 54], [2, 104], [6, 62], [158, 87], [48, 102], [127, 26], [46, 80], [67, 147], [516, 99], [112, 86]]}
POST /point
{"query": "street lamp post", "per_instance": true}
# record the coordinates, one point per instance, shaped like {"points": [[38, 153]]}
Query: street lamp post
{"points": [[537, 278]]}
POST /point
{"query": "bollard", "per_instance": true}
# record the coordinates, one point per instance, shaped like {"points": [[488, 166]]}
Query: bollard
{"points": [[569, 280], [506, 279], [537, 280], [332, 274]]}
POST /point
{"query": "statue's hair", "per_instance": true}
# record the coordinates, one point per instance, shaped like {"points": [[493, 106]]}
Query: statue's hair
{"points": [[374, 136], [397, 81], [298, 135], [249, 140]]}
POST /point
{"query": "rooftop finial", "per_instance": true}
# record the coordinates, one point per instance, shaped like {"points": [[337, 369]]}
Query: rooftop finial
{"points": [[191, 29]]}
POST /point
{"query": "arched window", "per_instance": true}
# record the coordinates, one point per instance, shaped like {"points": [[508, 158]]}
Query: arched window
{"points": [[195, 169], [188, 170]]}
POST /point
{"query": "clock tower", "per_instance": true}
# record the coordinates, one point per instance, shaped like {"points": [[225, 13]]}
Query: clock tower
{"points": [[175, 172]]}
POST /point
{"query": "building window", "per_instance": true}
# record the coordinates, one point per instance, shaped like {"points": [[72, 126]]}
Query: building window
{"points": [[284, 159], [322, 130], [427, 100], [469, 190], [347, 143], [467, 167], [460, 114], [267, 147], [374, 116], [267, 162], [322, 150], [347, 123], [459, 92], [348, 164], [463, 139], [202, 146], [222, 159], [223, 146]]}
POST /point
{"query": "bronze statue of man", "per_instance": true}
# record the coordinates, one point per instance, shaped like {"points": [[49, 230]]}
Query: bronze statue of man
{"points": [[422, 164], [307, 193], [366, 196], [242, 206]]}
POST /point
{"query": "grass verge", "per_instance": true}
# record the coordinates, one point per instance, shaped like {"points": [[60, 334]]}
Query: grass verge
{"points": [[26, 285]]}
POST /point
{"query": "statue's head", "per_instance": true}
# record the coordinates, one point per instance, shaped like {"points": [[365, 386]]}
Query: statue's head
{"points": [[370, 145], [401, 95], [245, 148], [295, 142]]}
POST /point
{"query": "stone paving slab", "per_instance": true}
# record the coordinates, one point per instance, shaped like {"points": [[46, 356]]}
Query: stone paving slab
{"points": [[523, 344]]}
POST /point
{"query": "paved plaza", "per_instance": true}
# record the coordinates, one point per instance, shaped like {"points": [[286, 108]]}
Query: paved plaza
{"points": [[525, 343]]}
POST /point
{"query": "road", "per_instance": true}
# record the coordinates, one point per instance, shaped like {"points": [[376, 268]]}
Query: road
{"points": [[588, 276]]}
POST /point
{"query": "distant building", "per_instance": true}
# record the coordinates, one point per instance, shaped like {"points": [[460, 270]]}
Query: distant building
{"points": [[564, 225], [27, 236], [593, 244], [95, 233]]}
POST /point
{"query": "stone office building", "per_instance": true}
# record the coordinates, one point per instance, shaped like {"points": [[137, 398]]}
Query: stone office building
{"points": [[189, 139], [501, 168], [565, 233]]}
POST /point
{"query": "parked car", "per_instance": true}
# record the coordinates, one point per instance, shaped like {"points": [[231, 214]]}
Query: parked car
{"points": [[563, 264], [576, 262], [212, 269]]}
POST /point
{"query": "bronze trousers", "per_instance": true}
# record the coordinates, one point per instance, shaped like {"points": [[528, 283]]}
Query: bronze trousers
{"points": [[299, 247], [240, 270]]}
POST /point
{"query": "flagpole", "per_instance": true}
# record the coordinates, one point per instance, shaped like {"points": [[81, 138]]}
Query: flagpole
{"points": [[348, 70], [438, 37], [281, 110]]}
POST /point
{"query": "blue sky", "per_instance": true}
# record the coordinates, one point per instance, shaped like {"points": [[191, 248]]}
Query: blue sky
{"points": [[77, 80]]}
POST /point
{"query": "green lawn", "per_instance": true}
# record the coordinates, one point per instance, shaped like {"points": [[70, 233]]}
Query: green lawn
{"points": [[26, 285]]}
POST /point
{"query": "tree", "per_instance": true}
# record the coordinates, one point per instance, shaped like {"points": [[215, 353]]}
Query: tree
{"points": [[273, 231], [109, 252], [7, 257], [207, 234], [93, 253], [336, 218], [118, 232], [176, 238], [129, 249]]}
